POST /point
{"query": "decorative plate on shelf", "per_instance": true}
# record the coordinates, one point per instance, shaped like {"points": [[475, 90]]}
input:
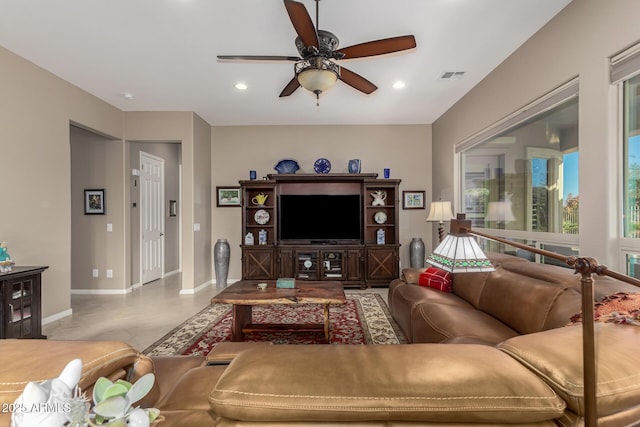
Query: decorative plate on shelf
{"points": [[261, 216], [380, 217], [322, 165]]}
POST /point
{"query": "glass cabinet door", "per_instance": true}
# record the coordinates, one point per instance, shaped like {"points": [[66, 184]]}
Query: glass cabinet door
{"points": [[20, 309], [332, 265], [307, 265]]}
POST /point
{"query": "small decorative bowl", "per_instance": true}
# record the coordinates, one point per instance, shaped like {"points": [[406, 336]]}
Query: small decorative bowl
{"points": [[262, 286], [286, 166]]}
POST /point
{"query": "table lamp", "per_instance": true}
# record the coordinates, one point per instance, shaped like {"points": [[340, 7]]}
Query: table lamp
{"points": [[500, 212], [440, 211]]}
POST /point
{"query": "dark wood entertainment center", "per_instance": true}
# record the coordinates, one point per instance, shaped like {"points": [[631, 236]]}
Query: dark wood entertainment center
{"points": [[363, 262]]}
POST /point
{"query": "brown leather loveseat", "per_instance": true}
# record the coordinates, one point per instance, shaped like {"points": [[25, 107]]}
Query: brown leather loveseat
{"points": [[520, 297]]}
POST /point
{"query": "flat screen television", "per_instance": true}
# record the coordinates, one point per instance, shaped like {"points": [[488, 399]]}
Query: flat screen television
{"points": [[320, 218]]}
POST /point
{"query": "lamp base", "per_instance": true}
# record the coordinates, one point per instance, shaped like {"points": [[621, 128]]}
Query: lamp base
{"points": [[441, 231]]}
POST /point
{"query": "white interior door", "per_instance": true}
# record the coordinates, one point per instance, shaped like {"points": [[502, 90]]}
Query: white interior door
{"points": [[151, 217]]}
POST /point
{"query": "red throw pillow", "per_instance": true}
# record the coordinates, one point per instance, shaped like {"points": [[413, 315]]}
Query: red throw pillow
{"points": [[435, 278]]}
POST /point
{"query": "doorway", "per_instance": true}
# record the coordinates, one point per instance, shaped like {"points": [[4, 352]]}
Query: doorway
{"points": [[170, 154], [151, 217]]}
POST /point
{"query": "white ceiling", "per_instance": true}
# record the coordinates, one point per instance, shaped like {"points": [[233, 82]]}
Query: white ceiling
{"points": [[164, 53]]}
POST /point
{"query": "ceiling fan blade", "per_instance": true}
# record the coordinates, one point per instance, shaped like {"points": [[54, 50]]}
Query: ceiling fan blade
{"points": [[257, 58], [290, 87], [302, 23], [356, 81], [378, 47]]}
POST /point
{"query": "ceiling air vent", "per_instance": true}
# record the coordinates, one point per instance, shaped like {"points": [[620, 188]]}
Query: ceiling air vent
{"points": [[452, 75]]}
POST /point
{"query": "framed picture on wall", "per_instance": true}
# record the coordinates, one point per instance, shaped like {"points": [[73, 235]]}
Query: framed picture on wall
{"points": [[94, 202], [413, 200], [228, 196]]}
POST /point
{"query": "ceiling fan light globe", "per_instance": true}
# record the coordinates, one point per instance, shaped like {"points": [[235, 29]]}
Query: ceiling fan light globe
{"points": [[317, 80]]}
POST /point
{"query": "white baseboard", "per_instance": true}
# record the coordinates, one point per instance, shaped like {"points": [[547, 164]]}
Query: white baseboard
{"points": [[196, 289], [171, 273], [229, 282], [101, 291], [57, 316]]}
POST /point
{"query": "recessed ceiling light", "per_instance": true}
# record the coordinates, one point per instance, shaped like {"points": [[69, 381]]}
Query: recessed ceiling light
{"points": [[128, 96], [241, 86], [399, 84]]}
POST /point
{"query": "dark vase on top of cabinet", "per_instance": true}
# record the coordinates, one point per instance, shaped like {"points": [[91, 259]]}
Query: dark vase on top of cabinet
{"points": [[321, 227]]}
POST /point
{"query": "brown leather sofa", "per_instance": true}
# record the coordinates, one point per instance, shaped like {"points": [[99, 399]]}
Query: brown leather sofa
{"points": [[529, 379], [520, 297]]}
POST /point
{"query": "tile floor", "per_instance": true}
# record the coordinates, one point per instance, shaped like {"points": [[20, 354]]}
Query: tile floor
{"points": [[139, 318]]}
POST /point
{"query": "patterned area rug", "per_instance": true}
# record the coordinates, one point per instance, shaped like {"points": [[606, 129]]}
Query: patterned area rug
{"points": [[621, 308], [365, 319]]}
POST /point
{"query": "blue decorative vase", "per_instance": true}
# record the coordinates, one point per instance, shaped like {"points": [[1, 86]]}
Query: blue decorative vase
{"points": [[221, 256], [354, 166], [286, 166]]}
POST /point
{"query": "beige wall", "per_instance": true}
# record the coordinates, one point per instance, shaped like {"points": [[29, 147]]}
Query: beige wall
{"points": [[96, 163], [577, 42], [202, 246], [35, 110], [404, 149], [194, 135]]}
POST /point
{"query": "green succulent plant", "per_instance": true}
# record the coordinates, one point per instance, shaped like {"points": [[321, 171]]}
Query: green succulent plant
{"points": [[113, 403]]}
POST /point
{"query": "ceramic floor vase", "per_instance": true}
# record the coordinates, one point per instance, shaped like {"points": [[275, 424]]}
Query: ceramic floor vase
{"points": [[221, 257], [416, 253]]}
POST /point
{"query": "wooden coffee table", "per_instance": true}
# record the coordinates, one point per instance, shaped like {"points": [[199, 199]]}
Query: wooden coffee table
{"points": [[245, 294]]}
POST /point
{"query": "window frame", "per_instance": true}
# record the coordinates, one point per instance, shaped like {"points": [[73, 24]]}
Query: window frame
{"points": [[545, 103], [623, 66]]}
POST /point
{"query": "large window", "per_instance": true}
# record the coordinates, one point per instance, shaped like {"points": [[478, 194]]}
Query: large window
{"points": [[625, 75], [519, 177], [525, 177], [631, 146]]}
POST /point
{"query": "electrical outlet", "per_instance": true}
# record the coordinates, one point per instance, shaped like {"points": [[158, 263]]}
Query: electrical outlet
{"points": [[96, 273], [109, 227], [109, 273]]}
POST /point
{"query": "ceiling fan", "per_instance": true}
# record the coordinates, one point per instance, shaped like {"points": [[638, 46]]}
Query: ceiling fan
{"points": [[315, 69]]}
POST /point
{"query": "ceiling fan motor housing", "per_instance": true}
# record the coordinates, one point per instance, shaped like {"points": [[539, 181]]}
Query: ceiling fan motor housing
{"points": [[327, 41]]}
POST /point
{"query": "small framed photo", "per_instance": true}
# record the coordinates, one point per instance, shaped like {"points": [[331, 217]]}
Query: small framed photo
{"points": [[413, 200], [94, 202], [228, 196]]}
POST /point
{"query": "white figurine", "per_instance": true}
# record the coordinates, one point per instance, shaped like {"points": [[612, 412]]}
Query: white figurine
{"points": [[47, 403]]}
